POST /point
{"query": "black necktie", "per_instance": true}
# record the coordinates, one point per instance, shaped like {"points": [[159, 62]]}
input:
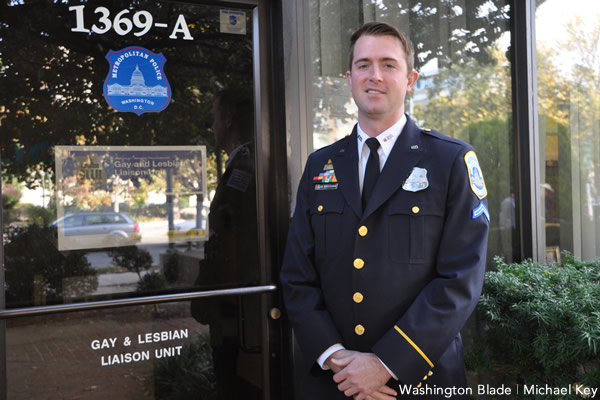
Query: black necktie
{"points": [[371, 172]]}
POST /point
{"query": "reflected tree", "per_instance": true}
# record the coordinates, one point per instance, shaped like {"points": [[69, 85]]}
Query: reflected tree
{"points": [[132, 258], [51, 80], [467, 94], [51, 93], [46, 275]]}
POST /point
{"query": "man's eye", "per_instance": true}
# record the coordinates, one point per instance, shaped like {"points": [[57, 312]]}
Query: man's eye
{"points": [[362, 66], [390, 66]]}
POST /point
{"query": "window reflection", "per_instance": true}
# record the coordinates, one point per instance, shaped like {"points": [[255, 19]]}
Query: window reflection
{"points": [[569, 118], [231, 252], [103, 204], [464, 87]]}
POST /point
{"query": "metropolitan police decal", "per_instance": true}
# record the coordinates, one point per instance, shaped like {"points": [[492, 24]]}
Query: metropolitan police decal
{"points": [[475, 175], [136, 81]]}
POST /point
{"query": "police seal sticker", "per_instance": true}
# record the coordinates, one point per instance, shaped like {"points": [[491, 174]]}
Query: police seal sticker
{"points": [[475, 175], [136, 81]]}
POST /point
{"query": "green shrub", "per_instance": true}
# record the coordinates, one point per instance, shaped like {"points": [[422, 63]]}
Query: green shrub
{"points": [[39, 215], [151, 281], [11, 195], [172, 266], [542, 323], [189, 375], [37, 273], [132, 258]]}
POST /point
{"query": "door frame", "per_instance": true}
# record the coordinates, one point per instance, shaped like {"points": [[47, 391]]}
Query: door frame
{"points": [[273, 208]]}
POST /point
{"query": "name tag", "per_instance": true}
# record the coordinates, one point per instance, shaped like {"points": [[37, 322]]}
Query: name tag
{"points": [[326, 186]]}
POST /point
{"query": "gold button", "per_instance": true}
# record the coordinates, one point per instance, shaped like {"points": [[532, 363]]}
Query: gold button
{"points": [[430, 373], [359, 329], [425, 378], [419, 385], [358, 297], [320, 208], [363, 230], [359, 263], [416, 210]]}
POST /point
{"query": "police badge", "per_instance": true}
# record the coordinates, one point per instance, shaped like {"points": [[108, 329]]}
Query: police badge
{"points": [[136, 81], [416, 181]]}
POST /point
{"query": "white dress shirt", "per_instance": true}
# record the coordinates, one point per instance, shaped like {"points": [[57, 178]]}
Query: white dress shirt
{"points": [[387, 139]]}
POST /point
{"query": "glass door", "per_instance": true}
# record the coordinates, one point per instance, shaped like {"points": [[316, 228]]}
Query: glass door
{"points": [[129, 197]]}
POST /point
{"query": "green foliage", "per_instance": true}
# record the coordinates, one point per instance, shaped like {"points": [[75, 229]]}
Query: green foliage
{"points": [[543, 322], [132, 258], [188, 376], [37, 273], [172, 266], [467, 93], [39, 215], [151, 281], [10, 196]]}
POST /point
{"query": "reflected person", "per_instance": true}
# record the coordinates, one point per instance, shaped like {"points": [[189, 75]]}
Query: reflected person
{"points": [[231, 252], [508, 228]]}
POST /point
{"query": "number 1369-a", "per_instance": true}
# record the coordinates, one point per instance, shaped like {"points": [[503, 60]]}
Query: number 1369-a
{"points": [[122, 24]]}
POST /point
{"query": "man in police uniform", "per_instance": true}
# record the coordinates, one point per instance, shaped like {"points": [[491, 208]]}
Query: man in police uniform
{"points": [[386, 251]]}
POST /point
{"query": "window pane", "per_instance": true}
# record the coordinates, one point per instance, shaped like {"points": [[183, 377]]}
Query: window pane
{"points": [[209, 349], [119, 203], [464, 88], [568, 59]]}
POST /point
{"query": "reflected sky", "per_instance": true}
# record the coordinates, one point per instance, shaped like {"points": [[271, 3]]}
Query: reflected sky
{"points": [[551, 21]]}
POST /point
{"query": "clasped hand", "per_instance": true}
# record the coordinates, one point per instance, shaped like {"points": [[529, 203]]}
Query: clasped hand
{"points": [[360, 375]]}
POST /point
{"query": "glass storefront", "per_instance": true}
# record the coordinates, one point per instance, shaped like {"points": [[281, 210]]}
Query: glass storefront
{"points": [[568, 70], [128, 164], [464, 88], [134, 165]]}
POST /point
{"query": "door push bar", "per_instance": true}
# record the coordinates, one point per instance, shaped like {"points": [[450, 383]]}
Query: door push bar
{"points": [[95, 305]]}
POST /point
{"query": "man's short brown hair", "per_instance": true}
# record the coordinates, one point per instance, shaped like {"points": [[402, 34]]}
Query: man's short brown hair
{"points": [[383, 29]]}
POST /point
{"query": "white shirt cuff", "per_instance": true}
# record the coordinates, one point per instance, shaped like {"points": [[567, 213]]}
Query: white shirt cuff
{"points": [[332, 349], [388, 370]]}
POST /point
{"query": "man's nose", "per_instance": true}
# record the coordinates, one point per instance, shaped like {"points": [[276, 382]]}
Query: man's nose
{"points": [[375, 73]]}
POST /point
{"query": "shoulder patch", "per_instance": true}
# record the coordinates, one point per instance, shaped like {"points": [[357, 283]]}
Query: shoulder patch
{"points": [[475, 175], [239, 180]]}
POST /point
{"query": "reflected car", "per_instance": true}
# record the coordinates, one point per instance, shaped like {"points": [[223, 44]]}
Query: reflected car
{"points": [[96, 230]]}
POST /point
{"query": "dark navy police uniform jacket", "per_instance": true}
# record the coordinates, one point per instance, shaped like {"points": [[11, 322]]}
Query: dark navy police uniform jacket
{"points": [[399, 278]]}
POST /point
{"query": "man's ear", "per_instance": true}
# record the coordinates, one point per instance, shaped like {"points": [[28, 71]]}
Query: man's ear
{"points": [[349, 78], [412, 79]]}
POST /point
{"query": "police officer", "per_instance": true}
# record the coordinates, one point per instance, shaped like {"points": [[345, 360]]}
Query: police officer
{"points": [[386, 250]]}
